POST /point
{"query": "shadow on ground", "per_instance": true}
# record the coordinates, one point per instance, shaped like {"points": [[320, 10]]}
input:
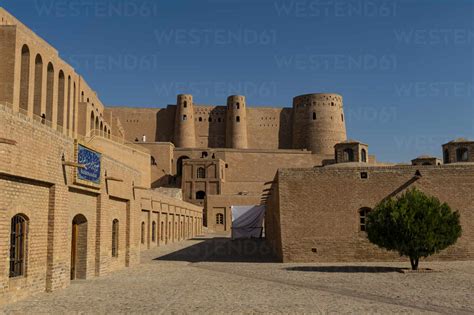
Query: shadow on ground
{"points": [[223, 249], [346, 269]]}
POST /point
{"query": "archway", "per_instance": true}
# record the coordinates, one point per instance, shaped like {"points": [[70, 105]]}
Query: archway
{"points": [[79, 247]]}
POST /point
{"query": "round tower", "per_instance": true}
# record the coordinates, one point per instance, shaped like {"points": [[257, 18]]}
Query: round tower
{"points": [[318, 122], [184, 132], [236, 127]]}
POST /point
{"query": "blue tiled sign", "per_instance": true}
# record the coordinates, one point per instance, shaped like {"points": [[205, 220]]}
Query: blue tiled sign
{"points": [[91, 161]]}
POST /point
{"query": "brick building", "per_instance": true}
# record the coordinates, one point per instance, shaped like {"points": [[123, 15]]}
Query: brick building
{"points": [[318, 214], [75, 197]]}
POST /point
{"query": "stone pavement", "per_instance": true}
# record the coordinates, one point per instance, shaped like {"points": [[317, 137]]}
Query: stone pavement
{"points": [[215, 275]]}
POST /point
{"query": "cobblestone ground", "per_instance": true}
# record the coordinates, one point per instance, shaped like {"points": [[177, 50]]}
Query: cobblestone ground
{"points": [[217, 275]]}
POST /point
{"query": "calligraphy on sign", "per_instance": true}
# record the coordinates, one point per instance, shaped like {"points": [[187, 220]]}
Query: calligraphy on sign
{"points": [[91, 161]]}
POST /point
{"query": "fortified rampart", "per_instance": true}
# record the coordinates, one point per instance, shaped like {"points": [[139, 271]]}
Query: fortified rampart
{"points": [[315, 123]]}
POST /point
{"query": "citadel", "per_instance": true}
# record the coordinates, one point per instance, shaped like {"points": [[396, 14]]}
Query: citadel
{"points": [[86, 187]]}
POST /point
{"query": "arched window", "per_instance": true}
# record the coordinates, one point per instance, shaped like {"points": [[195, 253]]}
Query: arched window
{"points": [[24, 77], [61, 94], [49, 92], [115, 237], [200, 195], [97, 123], [201, 172], [237, 119], [68, 103], [446, 156], [342, 117], [74, 107], [92, 121], [143, 233], [363, 155], [18, 236], [314, 116], [200, 118], [219, 218], [153, 231], [185, 104], [238, 105], [185, 117], [462, 155], [38, 89], [363, 218], [348, 155]]}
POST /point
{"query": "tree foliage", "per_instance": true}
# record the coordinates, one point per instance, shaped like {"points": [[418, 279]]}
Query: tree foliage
{"points": [[414, 224]]}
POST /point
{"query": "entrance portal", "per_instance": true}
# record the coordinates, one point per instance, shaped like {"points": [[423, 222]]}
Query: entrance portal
{"points": [[79, 247]]}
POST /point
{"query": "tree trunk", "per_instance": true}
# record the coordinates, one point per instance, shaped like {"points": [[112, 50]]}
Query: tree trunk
{"points": [[414, 263]]}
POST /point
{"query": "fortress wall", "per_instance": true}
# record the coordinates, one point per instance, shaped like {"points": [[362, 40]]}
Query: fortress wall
{"points": [[137, 122], [248, 171], [210, 124], [269, 128], [265, 127], [319, 209]]}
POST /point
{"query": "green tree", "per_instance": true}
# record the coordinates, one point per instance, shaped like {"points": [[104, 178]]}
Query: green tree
{"points": [[414, 224]]}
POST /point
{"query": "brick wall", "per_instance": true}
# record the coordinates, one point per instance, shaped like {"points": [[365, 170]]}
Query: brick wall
{"points": [[315, 212], [34, 182]]}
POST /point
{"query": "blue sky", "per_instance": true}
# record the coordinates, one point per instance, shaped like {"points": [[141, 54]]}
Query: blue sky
{"points": [[404, 68]]}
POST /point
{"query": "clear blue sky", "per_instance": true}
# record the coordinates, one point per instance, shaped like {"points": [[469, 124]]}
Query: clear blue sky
{"points": [[404, 68]]}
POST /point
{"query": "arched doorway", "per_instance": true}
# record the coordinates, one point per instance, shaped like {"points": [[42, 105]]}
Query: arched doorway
{"points": [[79, 247]]}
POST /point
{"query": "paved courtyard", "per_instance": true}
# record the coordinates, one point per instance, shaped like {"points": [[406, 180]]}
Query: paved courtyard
{"points": [[215, 275]]}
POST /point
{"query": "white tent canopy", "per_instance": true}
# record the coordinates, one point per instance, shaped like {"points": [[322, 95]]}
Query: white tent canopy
{"points": [[247, 221]]}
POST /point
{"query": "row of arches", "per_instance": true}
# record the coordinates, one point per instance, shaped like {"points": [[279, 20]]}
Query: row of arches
{"points": [[184, 227], [41, 81], [66, 104], [97, 124]]}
